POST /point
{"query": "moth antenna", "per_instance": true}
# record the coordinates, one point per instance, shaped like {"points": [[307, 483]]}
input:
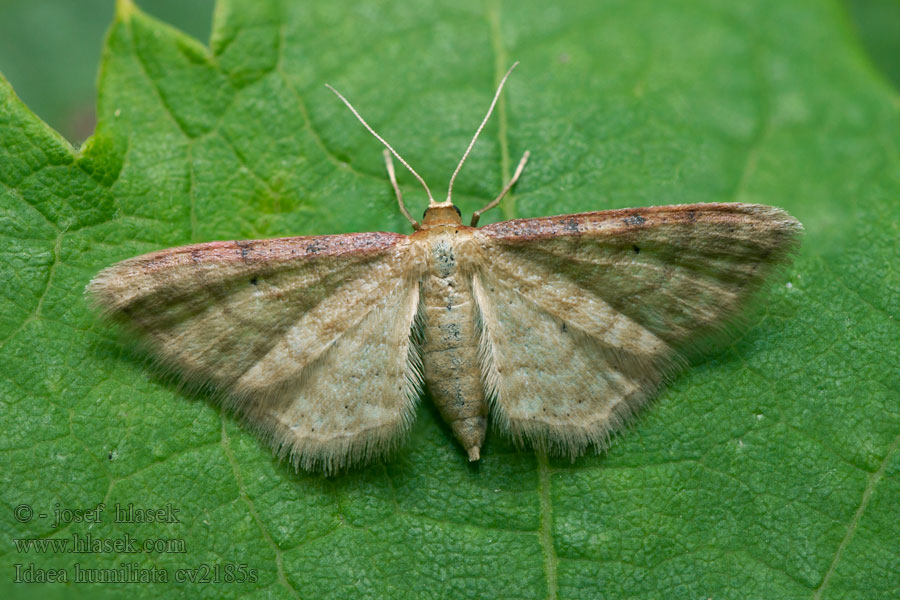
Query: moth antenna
{"points": [[480, 127], [477, 214], [389, 164], [388, 146]]}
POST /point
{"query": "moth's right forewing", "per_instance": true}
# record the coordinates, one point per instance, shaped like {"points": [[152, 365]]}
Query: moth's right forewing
{"points": [[583, 315], [308, 338]]}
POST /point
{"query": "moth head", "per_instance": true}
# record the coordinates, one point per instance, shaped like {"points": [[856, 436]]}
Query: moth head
{"points": [[443, 213]]}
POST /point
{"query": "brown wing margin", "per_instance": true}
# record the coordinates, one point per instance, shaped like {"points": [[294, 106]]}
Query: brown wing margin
{"points": [[158, 276], [673, 269]]}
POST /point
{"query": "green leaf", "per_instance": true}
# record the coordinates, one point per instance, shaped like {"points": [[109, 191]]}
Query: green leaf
{"points": [[769, 469]]}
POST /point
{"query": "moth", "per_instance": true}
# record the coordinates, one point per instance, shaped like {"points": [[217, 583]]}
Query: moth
{"points": [[558, 329]]}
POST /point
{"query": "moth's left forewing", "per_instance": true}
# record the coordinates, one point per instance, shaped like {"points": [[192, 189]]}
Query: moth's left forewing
{"points": [[308, 338], [583, 315]]}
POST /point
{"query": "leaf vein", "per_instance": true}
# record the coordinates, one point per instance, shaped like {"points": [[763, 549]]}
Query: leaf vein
{"points": [[873, 480]]}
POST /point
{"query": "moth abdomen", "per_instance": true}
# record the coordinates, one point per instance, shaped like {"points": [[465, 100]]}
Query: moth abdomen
{"points": [[450, 348]]}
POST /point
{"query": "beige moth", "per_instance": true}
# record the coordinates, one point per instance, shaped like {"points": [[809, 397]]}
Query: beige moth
{"points": [[557, 329]]}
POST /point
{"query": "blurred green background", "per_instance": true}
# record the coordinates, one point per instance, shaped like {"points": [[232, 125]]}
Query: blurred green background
{"points": [[50, 49], [50, 52]]}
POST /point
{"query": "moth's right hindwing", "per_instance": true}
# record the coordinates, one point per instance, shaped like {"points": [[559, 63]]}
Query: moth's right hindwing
{"points": [[583, 315], [308, 338]]}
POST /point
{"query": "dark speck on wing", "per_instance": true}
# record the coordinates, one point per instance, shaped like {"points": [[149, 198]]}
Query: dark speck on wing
{"points": [[244, 246]]}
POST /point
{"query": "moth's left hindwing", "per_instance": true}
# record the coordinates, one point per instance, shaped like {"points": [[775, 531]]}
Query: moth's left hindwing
{"points": [[308, 337], [583, 315]]}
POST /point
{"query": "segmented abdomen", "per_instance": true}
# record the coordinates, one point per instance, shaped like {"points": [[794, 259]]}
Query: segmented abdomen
{"points": [[450, 349]]}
